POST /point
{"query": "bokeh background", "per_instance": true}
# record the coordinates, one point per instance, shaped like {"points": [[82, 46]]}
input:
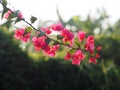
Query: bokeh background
{"points": [[22, 68]]}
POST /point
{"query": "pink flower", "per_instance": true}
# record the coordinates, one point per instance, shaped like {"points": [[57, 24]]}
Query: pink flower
{"points": [[20, 15], [39, 43], [19, 35], [68, 56], [89, 47], [92, 60], [97, 55], [81, 35], [90, 39], [46, 30], [52, 51], [99, 48], [56, 27], [55, 47], [7, 14], [26, 37], [67, 36], [77, 57], [90, 44]]}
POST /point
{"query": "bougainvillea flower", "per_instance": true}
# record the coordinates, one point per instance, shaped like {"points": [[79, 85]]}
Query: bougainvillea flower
{"points": [[68, 56], [7, 14], [77, 57], [90, 39], [89, 46], [46, 30], [56, 27], [97, 55], [92, 60], [55, 47], [81, 35], [67, 36], [99, 48], [20, 15], [19, 35], [39, 42]]}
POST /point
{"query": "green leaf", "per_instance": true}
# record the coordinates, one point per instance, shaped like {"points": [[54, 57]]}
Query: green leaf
{"points": [[17, 20], [55, 43], [27, 30], [77, 42], [12, 16], [4, 11], [72, 51], [59, 37], [4, 2], [33, 19], [67, 43], [48, 40]]}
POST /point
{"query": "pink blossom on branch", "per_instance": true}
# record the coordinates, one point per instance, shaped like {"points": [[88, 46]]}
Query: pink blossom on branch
{"points": [[52, 51], [7, 14], [77, 57], [39, 42], [89, 46], [99, 48], [20, 15], [92, 60], [68, 56], [97, 55], [81, 35], [67, 36], [56, 27], [19, 35], [46, 30]]}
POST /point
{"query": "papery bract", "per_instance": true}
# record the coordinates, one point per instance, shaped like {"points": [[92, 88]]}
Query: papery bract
{"points": [[89, 47], [90, 39], [51, 53], [26, 37], [56, 27], [67, 36], [20, 15], [39, 42], [46, 30], [77, 57], [7, 14], [97, 55], [99, 48], [90, 44], [92, 60], [55, 47], [81, 35], [19, 35], [68, 56]]}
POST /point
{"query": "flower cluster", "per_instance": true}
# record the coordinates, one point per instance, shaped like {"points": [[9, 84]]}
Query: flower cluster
{"points": [[65, 37], [20, 35], [78, 55], [40, 43]]}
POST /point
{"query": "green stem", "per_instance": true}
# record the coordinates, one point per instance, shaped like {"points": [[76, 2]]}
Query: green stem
{"points": [[106, 76]]}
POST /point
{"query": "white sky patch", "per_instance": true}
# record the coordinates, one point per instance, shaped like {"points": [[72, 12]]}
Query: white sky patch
{"points": [[46, 9]]}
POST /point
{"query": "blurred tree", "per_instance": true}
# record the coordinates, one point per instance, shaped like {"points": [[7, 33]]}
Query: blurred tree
{"points": [[89, 24]]}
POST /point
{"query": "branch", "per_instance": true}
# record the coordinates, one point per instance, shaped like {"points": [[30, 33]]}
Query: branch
{"points": [[35, 28]]}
